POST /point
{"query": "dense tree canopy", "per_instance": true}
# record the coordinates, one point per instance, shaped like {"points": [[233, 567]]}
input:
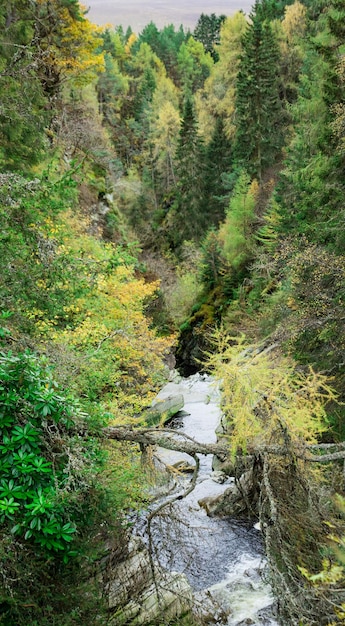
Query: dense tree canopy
{"points": [[155, 188], [258, 108]]}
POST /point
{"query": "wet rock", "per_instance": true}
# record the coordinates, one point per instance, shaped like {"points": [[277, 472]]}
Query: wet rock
{"points": [[174, 376], [219, 477], [132, 573], [163, 409], [190, 350], [239, 500], [184, 467], [138, 594], [208, 611], [227, 467]]}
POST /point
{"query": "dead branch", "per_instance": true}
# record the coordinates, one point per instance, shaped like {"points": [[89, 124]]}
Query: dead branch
{"points": [[158, 510], [175, 440], [172, 440]]}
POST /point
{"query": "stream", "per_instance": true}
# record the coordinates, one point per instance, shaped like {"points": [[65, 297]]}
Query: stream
{"points": [[222, 558]]}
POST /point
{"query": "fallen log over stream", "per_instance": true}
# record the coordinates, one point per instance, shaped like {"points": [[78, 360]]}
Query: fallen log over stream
{"points": [[175, 440], [166, 438], [272, 484]]}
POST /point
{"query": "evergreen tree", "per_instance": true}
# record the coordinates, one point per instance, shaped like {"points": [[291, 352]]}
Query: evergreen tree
{"points": [[217, 98], [207, 32], [194, 66], [188, 221], [258, 139], [272, 9], [144, 93], [312, 187], [218, 161], [165, 44], [170, 42]]}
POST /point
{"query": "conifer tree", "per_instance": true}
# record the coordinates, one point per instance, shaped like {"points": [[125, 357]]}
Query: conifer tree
{"points": [[144, 93], [207, 32], [187, 209], [258, 137], [312, 182], [272, 9], [165, 44], [218, 161], [217, 98]]}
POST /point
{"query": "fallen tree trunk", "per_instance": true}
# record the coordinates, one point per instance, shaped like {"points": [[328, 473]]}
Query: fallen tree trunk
{"points": [[276, 489], [175, 440], [170, 439]]}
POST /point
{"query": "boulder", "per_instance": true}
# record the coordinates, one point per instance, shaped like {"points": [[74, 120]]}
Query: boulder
{"points": [[239, 500], [140, 592], [163, 409], [182, 467]]}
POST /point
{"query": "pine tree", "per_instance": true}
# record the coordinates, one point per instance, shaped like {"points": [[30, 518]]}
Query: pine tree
{"points": [[207, 32], [312, 183], [188, 220], [218, 162], [258, 139], [144, 93], [272, 9]]}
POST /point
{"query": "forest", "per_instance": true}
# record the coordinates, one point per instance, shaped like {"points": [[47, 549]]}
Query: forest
{"points": [[169, 199]]}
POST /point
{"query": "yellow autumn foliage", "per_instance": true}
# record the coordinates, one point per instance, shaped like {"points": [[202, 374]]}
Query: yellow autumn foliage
{"points": [[69, 42], [217, 97], [101, 322], [265, 399]]}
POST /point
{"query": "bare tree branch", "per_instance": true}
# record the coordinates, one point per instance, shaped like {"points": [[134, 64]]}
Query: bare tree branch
{"points": [[172, 440], [175, 440]]}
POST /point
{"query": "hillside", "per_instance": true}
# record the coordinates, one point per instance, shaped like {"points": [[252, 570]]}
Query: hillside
{"points": [[169, 197]]}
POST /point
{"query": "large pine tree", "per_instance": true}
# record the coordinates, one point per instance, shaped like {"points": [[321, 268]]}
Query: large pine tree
{"points": [[189, 222], [218, 162], [258, 138], [311, 189]]}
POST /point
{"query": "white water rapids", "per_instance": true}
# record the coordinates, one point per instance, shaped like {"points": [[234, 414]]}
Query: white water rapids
{"points": [[222, 558]]}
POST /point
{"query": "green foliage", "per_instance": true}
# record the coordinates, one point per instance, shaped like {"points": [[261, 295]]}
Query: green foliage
{"points": [[28, 239], [314, 322], [236, 233], [165, 44], [187, 219], [207, 32], [194, 66], [23, 113], [312, 181], [55, 496], [267, 234], [34, 483], [183, 296], [217, 98], [144, 93], [228, 252], [218, 162], [270, 263], [271, 9], [211, 262], [259, 112], [332, 575]]}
